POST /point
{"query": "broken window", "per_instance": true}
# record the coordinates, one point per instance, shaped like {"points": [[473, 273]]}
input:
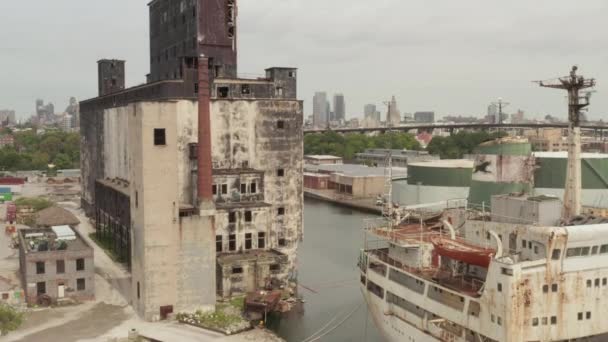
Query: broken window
{"points": [[79, 264], [159, 137], [499, 287], [214, 189], [248, 241], [219, 243], [261, 240], [60, 266], [248, 216], [40, 267], [281, 172], [281, 211], [232, 217], [245, 89], [279, 91], [196, 87], [232, 242], [80, 284], [243, 188], [280, 124], [282, 242], [224, 189], [253, 188], [556, 254], [588, 316], [292, 74], [237, 270], [223, 92], [136, 199], [275, 267], [41, 288], [138, 293]]}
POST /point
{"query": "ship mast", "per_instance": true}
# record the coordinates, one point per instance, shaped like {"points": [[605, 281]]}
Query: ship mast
{"points": [[573, 84], [388, 188]]}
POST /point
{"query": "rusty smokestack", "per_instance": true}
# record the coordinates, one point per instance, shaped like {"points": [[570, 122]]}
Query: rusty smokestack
{"points": [[205, 168]]}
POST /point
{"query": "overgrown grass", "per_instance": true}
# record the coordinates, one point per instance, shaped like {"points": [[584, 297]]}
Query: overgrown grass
{"points": [[36, 203], [227, 317], [106, 244]]}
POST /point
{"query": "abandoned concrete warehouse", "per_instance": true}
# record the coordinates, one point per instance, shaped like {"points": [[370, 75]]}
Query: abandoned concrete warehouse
{"points": [[195, 175]]}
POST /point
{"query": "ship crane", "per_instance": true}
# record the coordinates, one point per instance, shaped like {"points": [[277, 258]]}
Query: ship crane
{"points": [[573, 84]]}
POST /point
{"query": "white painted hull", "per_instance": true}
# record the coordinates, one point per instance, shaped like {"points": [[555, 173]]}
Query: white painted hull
{"points": [[392, 328]]}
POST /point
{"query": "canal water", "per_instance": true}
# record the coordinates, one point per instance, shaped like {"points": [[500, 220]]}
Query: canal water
{"points": [[327, 264]]}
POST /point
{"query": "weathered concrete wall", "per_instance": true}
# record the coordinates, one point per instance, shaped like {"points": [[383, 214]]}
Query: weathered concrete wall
{"points": [[91, 155], [173, 258], [115, 142], [246, 132]]}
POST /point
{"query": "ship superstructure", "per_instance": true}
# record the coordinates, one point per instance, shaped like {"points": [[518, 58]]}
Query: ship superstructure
{"points": [[470, 276], [531, 269]]}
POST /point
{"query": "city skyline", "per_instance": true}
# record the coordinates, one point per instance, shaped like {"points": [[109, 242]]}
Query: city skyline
{"points": [[453, 58]]}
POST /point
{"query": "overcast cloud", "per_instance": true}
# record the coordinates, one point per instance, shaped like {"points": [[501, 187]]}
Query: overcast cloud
{"points": [[454, 57]]}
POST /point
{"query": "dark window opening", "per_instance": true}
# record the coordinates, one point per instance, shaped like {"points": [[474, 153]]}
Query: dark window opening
{"points": [[159, 137], [219, 243], [223, 92], [292, 74], [232, 217], [580, 316], [113, 81], [499, 287], [556, 254], [588, 316], [231, 32], [41, 288], [79, 264], [545, 288], [138, 293], [280, 124], [554, 288], [196, 87], [281, 172], [248, 241], [60, 266], [243, 188], [136, 199], [248, 216], [40, 267], [281, 211], [214, 189], [245, 89], [275, 267], [80, 284], [261, 240], [232, 242], [224, 189], [282, 242], [237, 270], [279, 91], [253, 188], [5, 296]]}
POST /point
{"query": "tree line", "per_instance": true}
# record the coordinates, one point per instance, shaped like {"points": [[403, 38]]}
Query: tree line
{"points": [[457, 145], [347, 145], [35, 152]]}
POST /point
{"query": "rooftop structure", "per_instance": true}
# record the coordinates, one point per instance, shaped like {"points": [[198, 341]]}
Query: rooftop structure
{"points": [[400, 158], [322, 159]]}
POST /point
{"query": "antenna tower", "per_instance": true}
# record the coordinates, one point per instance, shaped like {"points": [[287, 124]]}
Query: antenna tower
{"points": [[573, 84]]}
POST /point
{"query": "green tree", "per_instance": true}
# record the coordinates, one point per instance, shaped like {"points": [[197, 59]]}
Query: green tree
{"points": [[10, 319]]}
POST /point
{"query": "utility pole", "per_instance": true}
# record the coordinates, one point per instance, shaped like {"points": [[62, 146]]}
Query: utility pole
{"points": [[500, 105], [573, 84]]}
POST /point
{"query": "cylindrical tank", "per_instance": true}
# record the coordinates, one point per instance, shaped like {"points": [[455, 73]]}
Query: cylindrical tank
{"points": [[434, 181], [550, 176], [502, 166]]}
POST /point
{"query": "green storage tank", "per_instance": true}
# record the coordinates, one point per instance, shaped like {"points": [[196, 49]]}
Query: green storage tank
{"points": [[502, 166]]}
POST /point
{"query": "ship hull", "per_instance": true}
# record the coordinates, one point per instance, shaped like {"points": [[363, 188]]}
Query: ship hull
{"points": [[392, 328]]}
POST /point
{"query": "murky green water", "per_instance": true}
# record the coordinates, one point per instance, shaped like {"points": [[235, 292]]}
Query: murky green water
{"points": [[327, 263]]}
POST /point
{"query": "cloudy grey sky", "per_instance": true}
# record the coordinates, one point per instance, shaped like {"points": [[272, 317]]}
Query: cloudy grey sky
{"points": [[453, 57]]}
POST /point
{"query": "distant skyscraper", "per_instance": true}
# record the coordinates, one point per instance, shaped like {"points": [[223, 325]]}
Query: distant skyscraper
{"points": [[492, 113], [339, 107], [320, 110], [424, 117], [393, 117], [369, 110]]}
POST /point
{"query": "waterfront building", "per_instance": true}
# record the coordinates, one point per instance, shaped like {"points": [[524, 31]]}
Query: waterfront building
{"points": [[196, 174]]}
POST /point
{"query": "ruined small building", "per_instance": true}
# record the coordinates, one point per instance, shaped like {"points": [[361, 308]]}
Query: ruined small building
{"points": [[196, 175], [55, 263]]}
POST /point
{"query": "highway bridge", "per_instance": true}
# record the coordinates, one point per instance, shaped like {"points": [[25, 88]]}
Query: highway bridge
{"points": [[598, 128]]}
